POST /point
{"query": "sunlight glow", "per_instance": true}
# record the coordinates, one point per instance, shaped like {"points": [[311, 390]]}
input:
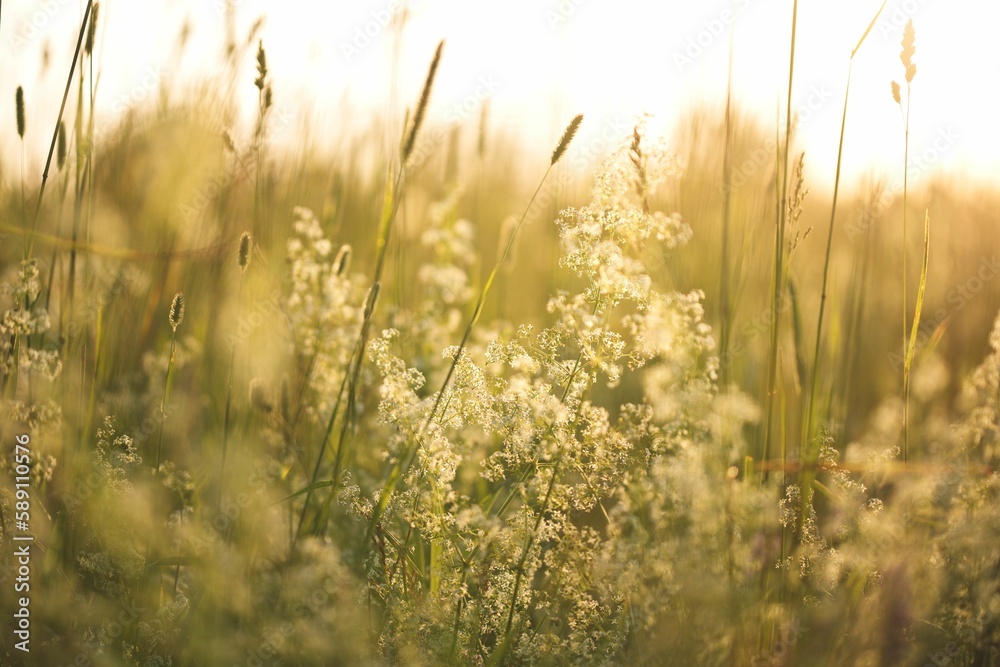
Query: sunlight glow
{"points": [[542, 62]]}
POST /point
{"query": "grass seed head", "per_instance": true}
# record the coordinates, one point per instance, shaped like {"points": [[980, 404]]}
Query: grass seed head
{"points": [[246, 242], [19, 107], [567, 137], [895, 92], [342, 260], [906, 55], [635, 149], [261, 67], [227, 140], [92, 29], [61, 146], [425, 96], [176, 311], [909, 38]]}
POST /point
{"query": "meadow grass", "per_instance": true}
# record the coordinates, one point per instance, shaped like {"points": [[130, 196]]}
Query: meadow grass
{"points": [[370, 446]]}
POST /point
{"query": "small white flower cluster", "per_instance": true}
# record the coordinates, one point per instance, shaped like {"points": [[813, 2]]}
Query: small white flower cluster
{"points": [[325, 307], [23, 319], [525, 427], [450, 240], [116, 458], [980, 428], [573, 493]]}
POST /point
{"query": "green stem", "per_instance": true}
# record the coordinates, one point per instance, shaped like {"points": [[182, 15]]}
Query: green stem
{"points": [[724, 306], [62, 108], [229, 400], [163, 401], [779, 247], [404, 461], [906, 379]]}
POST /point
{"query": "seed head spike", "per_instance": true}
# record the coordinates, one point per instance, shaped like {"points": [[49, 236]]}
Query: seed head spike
{"points": [[176, 311], [19, 109], [567, 137], [425, 95], [246, 243]]}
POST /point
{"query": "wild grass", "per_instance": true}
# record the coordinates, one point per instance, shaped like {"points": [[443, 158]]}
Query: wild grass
{"points": [[906, 57], [546, 458], [807, 435]]}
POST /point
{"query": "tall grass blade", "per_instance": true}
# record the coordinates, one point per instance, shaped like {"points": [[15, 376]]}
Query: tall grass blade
{"points": [[808, 425], [404, 461], [62, 108], [911, 348]]}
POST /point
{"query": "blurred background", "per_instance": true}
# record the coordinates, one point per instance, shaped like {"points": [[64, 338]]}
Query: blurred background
{"points": [[338, 64]]}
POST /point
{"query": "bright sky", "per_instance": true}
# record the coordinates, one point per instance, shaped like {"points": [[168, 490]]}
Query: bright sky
{"points": [[543, 61]]}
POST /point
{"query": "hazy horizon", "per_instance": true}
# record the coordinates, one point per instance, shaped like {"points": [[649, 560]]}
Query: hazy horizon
{"points": [[539, 64]]}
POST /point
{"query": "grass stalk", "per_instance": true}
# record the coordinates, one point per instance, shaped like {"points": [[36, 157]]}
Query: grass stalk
{"points": [[88, 53], [175, 317], [807, 433], [725, 310], [858, 300], [403, 463], [779, 249], [906, 58], [243, 258], [19, 113], [54, 259], [62, 108], [264, 102], [393, 196], [912, 345]]}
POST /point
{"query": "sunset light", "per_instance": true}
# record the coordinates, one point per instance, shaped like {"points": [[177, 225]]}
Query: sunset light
{"points": [[533, 332]]}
